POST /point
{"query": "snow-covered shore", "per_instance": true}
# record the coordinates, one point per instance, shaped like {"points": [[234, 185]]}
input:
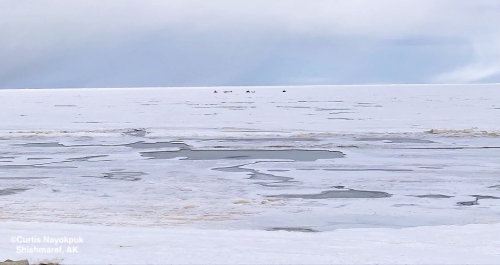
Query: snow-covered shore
{"points": [[468, 244]]}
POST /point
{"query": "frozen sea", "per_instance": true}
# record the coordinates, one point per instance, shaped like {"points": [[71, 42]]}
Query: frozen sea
{"points": [[284, 161]]}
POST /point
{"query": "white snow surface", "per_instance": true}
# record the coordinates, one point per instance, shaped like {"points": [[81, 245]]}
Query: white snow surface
{"points": [[469, 244], [81, 162]]}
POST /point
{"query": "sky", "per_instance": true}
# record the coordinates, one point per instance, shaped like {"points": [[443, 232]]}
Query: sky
{"points": [[143, 43]]}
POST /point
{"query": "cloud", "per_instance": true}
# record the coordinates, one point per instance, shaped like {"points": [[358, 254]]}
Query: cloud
{"points": [[53, 21], [469, 73], [44, 41], [486, 64]]}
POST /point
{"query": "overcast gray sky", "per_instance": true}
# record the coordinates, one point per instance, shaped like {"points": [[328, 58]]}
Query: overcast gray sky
{"points": [[125, 43]]}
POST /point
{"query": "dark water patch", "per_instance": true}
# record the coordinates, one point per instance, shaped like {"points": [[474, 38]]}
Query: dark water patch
{"points": [[436, 148], [433, 196], [345, 119], [327, 109], [85, 158], [367, 169], [365, 104], [17, 166], [5, 192], [269, 139], [340, 112], [155, 145], [469, 203], [293, 229], [55, 167], [277, 181], [137, 145], [232, 169], [35, 166], [293, 107], [128, 176], [495, 187], [479, 197], [278, 184], [122, 175], [395, 140], [430, 167], [7, 157], [452, 148], [247, 130], [332, 194], [24, 178], [404, 204], [339, 187], [291, 154], [136, 132], [263, 176], [226, 107], [317, 101], [52, 144]]}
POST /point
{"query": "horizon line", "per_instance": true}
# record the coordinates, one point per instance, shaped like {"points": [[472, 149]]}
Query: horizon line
{"points": [[263, 86]]}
